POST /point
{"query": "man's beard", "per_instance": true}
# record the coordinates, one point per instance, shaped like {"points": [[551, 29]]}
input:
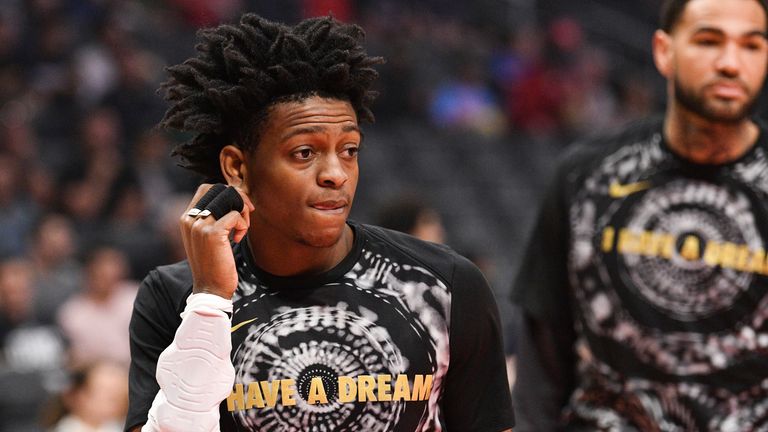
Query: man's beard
{"points": [[709, 109]]}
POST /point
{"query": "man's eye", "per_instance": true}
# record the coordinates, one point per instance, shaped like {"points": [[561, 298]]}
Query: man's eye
{"points": [[755, 45], [352, 151], [303, 154], [707, 42]]}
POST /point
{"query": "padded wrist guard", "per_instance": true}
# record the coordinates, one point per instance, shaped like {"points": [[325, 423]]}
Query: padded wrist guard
{"points": [[195, 372]]}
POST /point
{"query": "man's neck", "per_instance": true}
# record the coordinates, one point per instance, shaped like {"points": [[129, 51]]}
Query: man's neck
{"points": [[705, 142], [285, 257]]}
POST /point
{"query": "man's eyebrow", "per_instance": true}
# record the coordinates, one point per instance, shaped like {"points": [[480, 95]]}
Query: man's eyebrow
{"points": [[758, 33], [351, 128], [763, 34], [706, 29], [308, 130]]}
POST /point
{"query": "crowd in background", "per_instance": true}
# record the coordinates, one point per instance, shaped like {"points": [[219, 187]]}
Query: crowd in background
{"points": [[90, 199]]}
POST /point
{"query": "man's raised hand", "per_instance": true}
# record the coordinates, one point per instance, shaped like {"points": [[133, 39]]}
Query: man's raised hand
{"points": [[215, 213]]}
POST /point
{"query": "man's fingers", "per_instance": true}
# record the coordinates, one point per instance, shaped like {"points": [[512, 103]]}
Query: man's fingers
{"points": [[201, 190], [249, 207], [186, 221], [207, 232], [233, 223], [216, 215], [211, 205], [201, 202], [226, 201], [207, 192], [239, 225]]}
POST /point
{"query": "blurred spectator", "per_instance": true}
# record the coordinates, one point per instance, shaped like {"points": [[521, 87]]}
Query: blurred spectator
{"points": [[9, 45], [467, 103], [636, 98], [96, 320], [136, 203], [205, 13], [17, 136], [16, 210], [101, 135], [88, 184], [157, 174], [40, 185], [169, 230], [411, 216], [51, 49], [32, 354], [94, 64], [96, 400], [589, 103], [134, 98], [52, 255], [342, 10], [128, 229]]}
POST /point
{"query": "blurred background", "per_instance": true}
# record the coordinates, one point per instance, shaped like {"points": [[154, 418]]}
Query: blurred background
{"points": [[477, 100]]}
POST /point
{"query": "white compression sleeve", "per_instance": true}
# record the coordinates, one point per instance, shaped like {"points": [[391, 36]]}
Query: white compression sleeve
{"points": [[195, 372]]}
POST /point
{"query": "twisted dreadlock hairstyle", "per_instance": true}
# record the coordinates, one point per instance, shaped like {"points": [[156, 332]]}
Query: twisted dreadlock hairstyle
{"points": [[223, 95]]}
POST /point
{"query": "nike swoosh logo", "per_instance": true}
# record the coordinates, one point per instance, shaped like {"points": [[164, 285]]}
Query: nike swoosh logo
{"points": [[237, 326], [618, 190]]}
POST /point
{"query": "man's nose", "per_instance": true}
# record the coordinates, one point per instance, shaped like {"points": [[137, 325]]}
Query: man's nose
{"points": [[331, 172], [728, 63]]}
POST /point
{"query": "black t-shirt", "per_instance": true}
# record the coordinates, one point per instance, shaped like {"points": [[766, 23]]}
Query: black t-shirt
{"points": [[660, 265], [402, 335]]}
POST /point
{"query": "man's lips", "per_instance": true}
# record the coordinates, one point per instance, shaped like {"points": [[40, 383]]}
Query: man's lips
{"points": [[330, 205], [728, 90]]}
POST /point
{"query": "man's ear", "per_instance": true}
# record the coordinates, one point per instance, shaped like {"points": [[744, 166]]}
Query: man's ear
{"points": [[663, 53], [234, 167]]}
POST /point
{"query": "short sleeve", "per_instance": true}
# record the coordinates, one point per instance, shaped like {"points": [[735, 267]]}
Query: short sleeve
{"points": [[541, 285], [476, 396], [546, 334], [153, 325]]}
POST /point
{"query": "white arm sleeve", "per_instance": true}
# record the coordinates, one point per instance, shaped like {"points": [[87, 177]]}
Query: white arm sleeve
{"points": [[195, 372]]}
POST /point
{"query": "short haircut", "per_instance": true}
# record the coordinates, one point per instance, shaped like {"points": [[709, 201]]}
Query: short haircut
{"points": [[223, 95], [672, 10]]}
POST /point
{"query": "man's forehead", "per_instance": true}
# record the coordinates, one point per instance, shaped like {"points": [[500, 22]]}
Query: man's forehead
{"points": [[313, 112], [308, 116], [742, 16]]}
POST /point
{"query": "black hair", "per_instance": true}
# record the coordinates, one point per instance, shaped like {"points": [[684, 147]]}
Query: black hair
{"points": [[56, 408], [223, 95], [672, 10]]}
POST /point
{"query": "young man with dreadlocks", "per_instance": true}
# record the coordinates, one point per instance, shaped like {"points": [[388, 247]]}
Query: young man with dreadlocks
{"points": [[286, 316]]}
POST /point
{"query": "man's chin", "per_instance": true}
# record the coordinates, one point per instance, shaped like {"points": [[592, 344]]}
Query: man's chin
{"points": [[325, 237], [721, 113], [713, 108], [726, 115]]}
